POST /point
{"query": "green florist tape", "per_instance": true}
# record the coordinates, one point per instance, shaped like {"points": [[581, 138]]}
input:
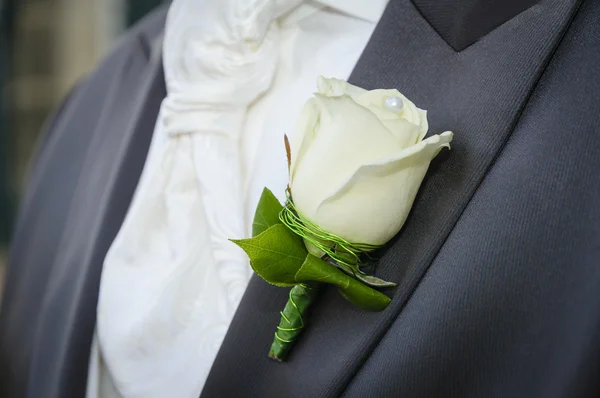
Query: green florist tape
{"points": [[292, 320]]}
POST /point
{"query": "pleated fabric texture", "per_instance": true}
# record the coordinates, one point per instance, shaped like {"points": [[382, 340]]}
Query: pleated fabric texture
{"points": [[171, 280]]}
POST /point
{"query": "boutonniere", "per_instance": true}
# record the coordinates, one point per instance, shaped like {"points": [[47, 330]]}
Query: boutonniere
{"points": [[355, 162]]}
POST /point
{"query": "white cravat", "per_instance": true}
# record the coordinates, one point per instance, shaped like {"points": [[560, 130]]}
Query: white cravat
{"points": [[237, 73]]}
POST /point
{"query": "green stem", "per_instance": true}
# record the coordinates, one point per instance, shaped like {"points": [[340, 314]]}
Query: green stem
{"points": [[293, 318]]}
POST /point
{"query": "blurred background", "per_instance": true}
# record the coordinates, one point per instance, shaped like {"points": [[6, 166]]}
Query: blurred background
{"points": [[45, 47]]}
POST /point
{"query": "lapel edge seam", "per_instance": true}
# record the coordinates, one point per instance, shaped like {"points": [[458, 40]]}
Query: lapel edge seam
{"points": [[153, 71], [387, 323], [89, 252]]}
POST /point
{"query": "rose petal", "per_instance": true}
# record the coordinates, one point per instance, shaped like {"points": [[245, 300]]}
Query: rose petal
{"points": [[406, 133], [424, 126], [348, 136], [304, 134], [372, 205], [375, 99], [336, 87]]}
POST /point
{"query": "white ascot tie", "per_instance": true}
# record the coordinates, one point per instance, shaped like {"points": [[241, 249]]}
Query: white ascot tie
{"points": [[159, 328]]}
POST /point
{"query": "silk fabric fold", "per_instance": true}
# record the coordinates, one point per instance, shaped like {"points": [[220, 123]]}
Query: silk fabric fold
{"points": [[158, 327]]}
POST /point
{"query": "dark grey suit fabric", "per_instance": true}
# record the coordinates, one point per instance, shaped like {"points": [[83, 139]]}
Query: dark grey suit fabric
{"points": [[87, 168], [462, 22], [498, 264], [510, 306]]}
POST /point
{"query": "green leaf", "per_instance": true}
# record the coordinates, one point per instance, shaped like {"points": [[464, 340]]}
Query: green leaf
{"points": [[267, 212], [293, 319], [374, 281], [275, 255], [370, 280], [359, 294]]}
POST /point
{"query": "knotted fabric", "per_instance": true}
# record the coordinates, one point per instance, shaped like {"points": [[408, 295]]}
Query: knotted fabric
{"points": [[159, 325]]}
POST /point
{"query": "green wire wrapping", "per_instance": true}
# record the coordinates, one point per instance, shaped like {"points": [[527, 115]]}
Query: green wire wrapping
{"points": [[337, 251], [337, 248], [287, 249], [292, 321]]}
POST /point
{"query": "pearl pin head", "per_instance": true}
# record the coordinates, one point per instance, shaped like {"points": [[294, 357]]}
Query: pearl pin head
{"points": [[394, 104]]}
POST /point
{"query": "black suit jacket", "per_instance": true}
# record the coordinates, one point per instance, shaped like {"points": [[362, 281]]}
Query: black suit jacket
{"points": [[498, 264]]}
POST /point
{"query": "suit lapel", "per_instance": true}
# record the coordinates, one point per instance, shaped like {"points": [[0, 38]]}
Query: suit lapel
{"points": [[477, 93], [463, 22], [108, 177]]}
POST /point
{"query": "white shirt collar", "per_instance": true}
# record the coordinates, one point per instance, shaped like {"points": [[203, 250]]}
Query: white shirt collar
{"points": [[370, 10]]}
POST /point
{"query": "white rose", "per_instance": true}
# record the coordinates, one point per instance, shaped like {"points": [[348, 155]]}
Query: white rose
{"points": [[357, 164]]}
